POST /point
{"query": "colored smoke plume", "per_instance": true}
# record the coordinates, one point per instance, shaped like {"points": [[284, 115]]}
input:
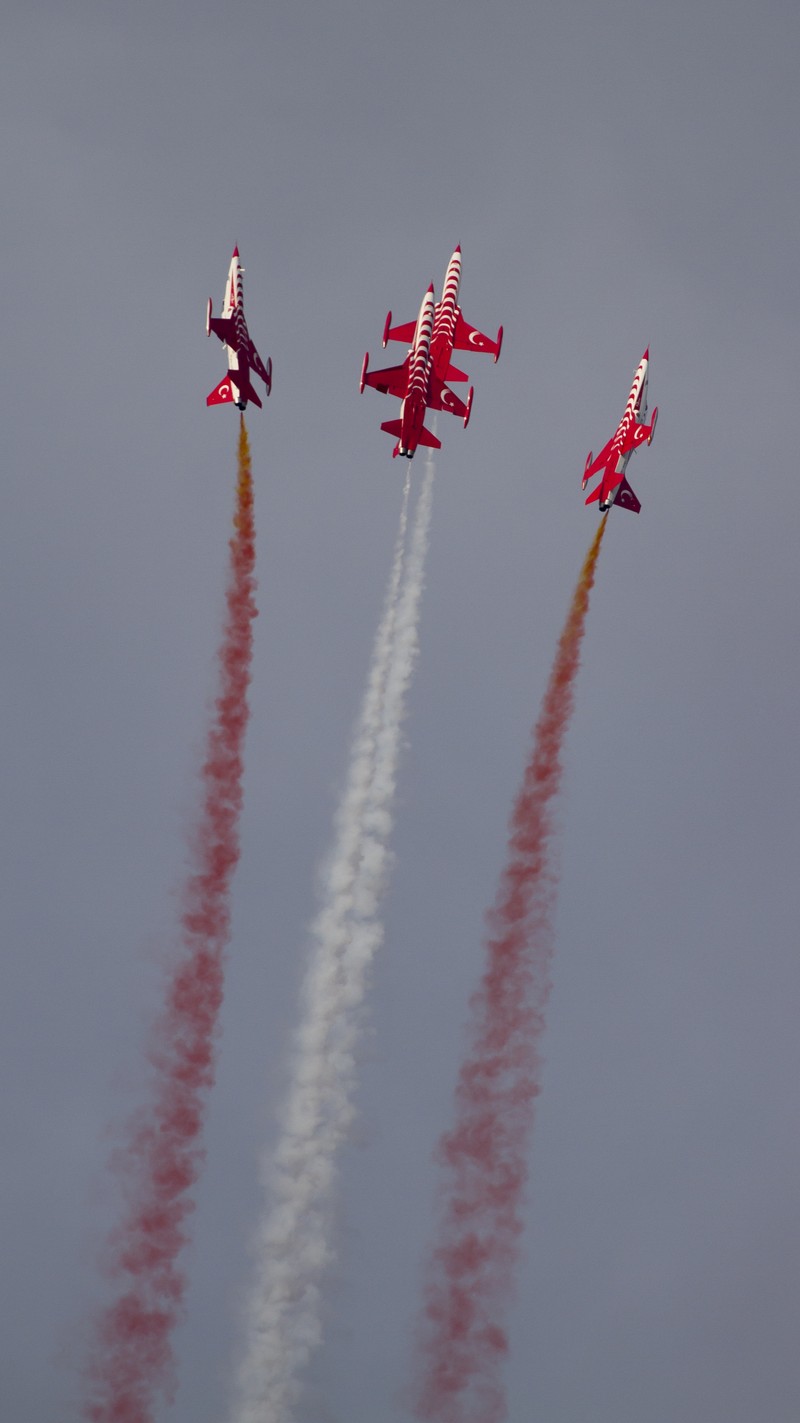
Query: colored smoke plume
{"points": [[470, 1277], [131, 1359], [294, 1246]]}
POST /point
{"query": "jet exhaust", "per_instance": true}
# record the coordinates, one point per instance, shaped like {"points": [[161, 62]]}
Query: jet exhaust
{"points": [[462, 1339], [131, 1361], [294, 1245]]}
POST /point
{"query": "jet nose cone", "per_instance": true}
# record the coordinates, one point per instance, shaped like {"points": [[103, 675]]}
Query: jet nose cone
{"points": [[646, 356], [458, 249], [236, 251]]}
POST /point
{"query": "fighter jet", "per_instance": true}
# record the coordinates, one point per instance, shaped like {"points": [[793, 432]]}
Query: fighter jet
{"points": [[418, 386], [243, 357], [450, 330], [613, 458]]}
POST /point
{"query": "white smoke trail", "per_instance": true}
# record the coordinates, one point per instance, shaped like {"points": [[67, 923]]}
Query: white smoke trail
{"points": [[293, 1248]]}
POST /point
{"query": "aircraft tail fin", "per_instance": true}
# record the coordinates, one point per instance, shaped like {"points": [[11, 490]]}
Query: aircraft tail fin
{"points": [[222, 394], [626, 499]]}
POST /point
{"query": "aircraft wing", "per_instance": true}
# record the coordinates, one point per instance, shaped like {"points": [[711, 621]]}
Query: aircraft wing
{"points": [[468, 338], [403, 333], [256, 364], [635, 437], [223, 326], [599, 462], [392, 380], [441, 397]]}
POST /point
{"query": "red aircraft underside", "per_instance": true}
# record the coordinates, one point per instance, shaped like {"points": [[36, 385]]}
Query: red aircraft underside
{"points": [[420, 382], [416, 384]]}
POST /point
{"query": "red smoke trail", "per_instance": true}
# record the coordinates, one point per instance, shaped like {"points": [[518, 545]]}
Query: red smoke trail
{"points": [[132, 1358], [470, 1279]]}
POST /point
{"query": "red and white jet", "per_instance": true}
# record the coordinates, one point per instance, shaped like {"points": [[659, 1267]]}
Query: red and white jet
{"points": [[631, 432], [418, 386], [450, 330], [243, 357]]}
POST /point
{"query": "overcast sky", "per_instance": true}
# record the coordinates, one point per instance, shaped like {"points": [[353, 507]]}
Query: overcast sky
{"points": [[617, 175]]}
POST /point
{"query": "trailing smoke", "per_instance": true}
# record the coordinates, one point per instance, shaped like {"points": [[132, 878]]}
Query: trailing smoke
{"points": [[484, 1156], [131, 1361], [294, 1246]]}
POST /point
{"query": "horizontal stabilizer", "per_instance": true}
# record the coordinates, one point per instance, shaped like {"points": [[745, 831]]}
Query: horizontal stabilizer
{"points": [[426, 438], [395, 427], [245, 388], [454, 374], [222, 394], [392, 380]]}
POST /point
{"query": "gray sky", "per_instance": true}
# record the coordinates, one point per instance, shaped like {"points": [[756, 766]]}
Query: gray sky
{"points": [[617, 175]]}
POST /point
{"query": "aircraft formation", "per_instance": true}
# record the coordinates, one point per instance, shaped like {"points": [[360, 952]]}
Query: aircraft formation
{"points": [[131, 1360], [420, 381]]}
